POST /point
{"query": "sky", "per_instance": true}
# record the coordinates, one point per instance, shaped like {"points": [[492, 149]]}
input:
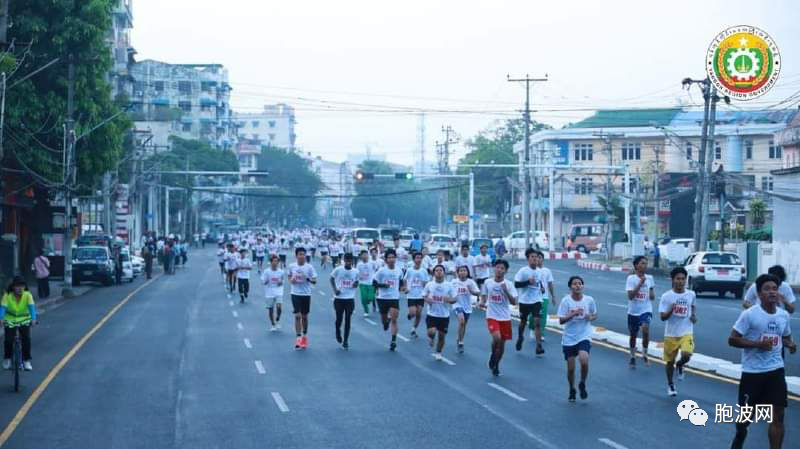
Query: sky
{"points": [[360, 72]]}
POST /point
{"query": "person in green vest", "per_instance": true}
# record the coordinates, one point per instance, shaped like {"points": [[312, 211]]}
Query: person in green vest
{"points": [[17, 313]]}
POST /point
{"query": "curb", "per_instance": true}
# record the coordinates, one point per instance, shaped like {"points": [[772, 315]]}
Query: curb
{"points": [[601, 266]]}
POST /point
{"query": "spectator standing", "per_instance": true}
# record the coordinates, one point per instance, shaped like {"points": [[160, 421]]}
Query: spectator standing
{"points": [[41, 266]]}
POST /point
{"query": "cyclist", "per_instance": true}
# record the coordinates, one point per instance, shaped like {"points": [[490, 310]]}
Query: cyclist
{"points": [[18, 312]]}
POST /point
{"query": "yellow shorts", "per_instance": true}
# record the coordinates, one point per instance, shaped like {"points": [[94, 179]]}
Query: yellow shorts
{"points": [[672, 344]]}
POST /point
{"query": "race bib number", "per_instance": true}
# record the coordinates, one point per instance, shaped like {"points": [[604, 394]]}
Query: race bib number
{"points": [[580, 312], [437, 298], [680, 310], [773, 339], [462, 291], [347, 283], [391, 283], [299, 277]]}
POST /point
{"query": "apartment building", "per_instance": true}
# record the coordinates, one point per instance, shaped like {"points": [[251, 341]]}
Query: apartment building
{"points": [[274, 126], [119, 43]]}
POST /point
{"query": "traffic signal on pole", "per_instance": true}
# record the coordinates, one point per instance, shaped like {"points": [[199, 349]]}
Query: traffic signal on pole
{"points": [[361, 176], [404, 175]]}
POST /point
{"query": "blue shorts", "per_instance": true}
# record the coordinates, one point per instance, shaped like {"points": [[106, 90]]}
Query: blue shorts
{"points": [[460, 310], [636, 321], [572, 351]]}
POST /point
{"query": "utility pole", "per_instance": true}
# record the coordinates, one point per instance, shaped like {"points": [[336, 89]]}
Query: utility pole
{"points": [[705, 85], [70, 168], [710, 152], [606, 137], [443, 153], [526, 178], [656, 202]]}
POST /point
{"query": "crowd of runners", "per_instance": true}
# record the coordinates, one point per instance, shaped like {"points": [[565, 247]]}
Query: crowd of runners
{"points": [[439, 287]]}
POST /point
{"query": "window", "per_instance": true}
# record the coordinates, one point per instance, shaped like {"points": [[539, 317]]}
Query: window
{"points": [[159, 85], [583, 152], [748, 149], [766, 183], [205, 107], [186, 127], [775, 151], [205, 86], [717, 150], [631, 151], [186, 106], [255, 123], [632, 186], [184, 87], [721, 259], [689, 151], [271, 123], [577, 186], [138, 86], [255, 136], [583, 186], [271, 136]]}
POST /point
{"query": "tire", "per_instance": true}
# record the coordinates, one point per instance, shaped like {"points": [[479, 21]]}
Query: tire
{"points": [[739, 293], [15, 362], [582, 249], [108, 281]]}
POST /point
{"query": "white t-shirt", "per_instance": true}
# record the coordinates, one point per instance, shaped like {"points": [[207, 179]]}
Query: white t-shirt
{"points": [[300, 277], [336, 249], [579, 328], [260, 249], [243, 268], [323, 246], [416, 281], [482, 264], [346, 281], [533, 292], [758, 325], [231, 260], [497, 305], [679, 323], [273, 282], [402, 256], [366, 272], [464, 261], [751, 297], [547, 279], [274, 248], [221, 255], [641, 303], [436, 292], [427, 263], [464, 291], [284, 249], [392, 278]]}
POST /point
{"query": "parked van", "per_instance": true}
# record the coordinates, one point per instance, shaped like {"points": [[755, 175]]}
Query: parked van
{"points": [[585, 237], [365, 236]]}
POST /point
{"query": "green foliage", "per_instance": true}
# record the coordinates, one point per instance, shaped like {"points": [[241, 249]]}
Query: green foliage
{"points": [[296, 178], [613, 209], [37, 107], [758, 212], [191, 155]]}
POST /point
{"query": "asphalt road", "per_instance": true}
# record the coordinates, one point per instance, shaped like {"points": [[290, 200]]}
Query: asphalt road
{"points": [[182, 366]]}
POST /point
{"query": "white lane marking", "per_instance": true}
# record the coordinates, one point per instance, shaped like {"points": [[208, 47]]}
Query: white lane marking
{"points": [[402, 337], [260, 367], [235, 314], [617, 305], [507, 392], [230, 303], [280, 402], [370, 321], [611, 443], [239, 325], [448, 361], [247, 343]]}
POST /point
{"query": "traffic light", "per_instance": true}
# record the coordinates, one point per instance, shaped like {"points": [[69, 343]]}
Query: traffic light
{"points": [[404, 175], [361, 176]]}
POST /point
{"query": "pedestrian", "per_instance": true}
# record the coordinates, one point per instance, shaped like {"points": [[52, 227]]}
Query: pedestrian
{"points": [[576, 312], [243, 267], [641, 293], [529, 282], [500, 248], [389, 281], [677, 308], [464, 288], [762, 331], [786, 298], [147, 255], [416, 277], [17, 314], [117, 265], [301, 276], [41, 267], [272, 278], [416, 244], [497, 295], [439, 294], [344, 281], [366, 272]]}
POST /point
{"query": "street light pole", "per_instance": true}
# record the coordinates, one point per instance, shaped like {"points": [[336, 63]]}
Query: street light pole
{"points": [[471, 205]]}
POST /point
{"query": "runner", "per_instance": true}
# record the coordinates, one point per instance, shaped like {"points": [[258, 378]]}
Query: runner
{"points": [[482, 263], [529, 282], [221, 261], [284, 251], [441, 259], [499, 293], [336, 251], [272, 278], [640, 287], [388, 280], [416, 278], [344, 281], [549, 292], [243, 267], [366, 272], [438, 294], [465, 288], [576, 312], [301, 276], [464, 260], [260, 250], [231, 262], [677, 308], [761, 332], [312, 248], [323, 246], [786, 298]]}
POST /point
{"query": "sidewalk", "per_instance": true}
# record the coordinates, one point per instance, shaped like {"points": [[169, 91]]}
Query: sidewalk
{"points": [[56, 297]]}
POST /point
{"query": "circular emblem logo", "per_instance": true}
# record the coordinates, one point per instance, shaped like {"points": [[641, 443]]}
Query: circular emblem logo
{"points": [[743, 62]]}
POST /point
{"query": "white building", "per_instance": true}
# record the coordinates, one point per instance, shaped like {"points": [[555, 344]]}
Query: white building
{"points": [[118, 40], [333, 202], [272, 127]]}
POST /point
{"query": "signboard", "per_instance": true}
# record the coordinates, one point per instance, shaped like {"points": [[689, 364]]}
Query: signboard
{"points": [[460, 219], [561, 152]]}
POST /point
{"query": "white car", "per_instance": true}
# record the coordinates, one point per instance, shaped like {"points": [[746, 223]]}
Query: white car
{"points": [[137, 263], [516, 240], [444, 242], [128, 274], [405, 240], [716, 271]]}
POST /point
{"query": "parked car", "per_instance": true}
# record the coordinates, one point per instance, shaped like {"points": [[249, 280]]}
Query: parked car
{"points": [[585, 237], [92, 264], [405, 240], [516, 240], [716, 271], [475, 248], [138, 265], [387, 237], [365, 236], [444, 242]]}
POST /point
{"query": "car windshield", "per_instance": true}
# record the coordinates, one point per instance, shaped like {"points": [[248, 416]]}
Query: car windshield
{"points": [[369, 234], [406, 237], [90, 254], [389, 234], [721, 259], [443, 238]]}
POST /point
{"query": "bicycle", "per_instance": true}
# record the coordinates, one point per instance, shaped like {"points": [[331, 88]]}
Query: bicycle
{"points": [[16, 360]]}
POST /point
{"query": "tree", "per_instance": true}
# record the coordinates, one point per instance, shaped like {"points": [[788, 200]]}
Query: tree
{"points": [[758, 212], [298, 184], [72, 31]]}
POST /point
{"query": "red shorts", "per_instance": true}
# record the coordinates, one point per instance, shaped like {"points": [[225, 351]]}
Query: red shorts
{"points": [[504, 327]]}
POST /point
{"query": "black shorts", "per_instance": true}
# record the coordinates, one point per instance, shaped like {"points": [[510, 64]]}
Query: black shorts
{"points": [[282, 257], [244, 286], [530, 309], [384, 305], [230, 272], [222, 265], [301, 304], [480, 282], [416, 302], [764, 388], [344, 305], [259, 258], [440, 323]]}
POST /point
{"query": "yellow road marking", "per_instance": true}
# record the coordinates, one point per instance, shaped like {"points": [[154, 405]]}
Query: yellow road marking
{"points": [[26, 407]]}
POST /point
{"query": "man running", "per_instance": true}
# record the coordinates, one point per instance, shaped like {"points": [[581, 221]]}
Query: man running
{"points": [[548, 295], [344, 281], [464, 260], [677, 308], [786, 298], [761, 332], [366, 272], [272, 278], [465, 288], [301, 276], [231, 262], [499, 294], [402, 254], [323, 246], [336, 250], [529, 282], [260, 250], [243, 267], [416, 278], [438, 294], [576, 312], [640, 287], [284, 251], [221, 262], [482, 263], [388, 280]]}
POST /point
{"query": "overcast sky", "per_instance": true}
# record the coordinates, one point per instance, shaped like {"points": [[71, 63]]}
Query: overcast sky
{"points": [[358, 72]]}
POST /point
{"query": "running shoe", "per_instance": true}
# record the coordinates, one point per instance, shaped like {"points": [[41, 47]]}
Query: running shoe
{"points": [[582, 388], [414, 333], [632, 363], [519, 344], [671, 391], [436, 356], [273, 328], [298, 343], [366, 315], [539, 350], [392, 346], [304, 342], [571, 395], [345, 345], [460, 347], [278, 325], [681, 376], [27, 365]]}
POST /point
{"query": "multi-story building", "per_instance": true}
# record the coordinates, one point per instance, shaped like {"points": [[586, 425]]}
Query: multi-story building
{"points": [[333, 202], [274, 126], [119, 44], [191, 101], [789, 139], [656, 146]]}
